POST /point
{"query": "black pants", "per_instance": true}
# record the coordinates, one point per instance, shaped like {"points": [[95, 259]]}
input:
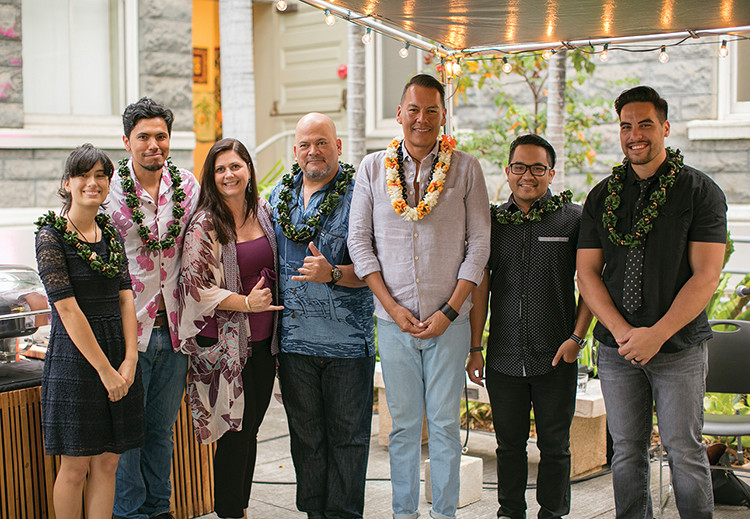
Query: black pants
{"points": [[553, 397], [234, 460]]}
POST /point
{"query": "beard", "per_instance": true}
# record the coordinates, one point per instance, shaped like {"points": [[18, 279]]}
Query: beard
{"points": [[317, 173]]}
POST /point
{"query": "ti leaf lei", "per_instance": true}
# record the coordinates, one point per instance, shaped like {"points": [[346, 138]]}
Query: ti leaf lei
{"points": [[331, 200], [133, 202], [650, 211], [552, 204], [109, 268]]}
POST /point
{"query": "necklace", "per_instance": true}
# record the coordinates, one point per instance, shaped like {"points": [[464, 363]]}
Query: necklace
{"points": [[650, 210], [310, 226], [133, 202], [396, 181], [110, 268], [552, 204], [83, 235]]}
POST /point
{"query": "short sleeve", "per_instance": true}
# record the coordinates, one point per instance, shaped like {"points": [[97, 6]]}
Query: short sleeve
{"points": [[591, 217], [52, 265], [709, 215], [125, 281]]}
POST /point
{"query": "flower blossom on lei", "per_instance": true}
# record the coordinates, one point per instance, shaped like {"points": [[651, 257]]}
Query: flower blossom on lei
{"points": [[396, 182]]}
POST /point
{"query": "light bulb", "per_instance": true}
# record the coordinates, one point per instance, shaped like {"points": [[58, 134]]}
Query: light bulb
{"points": [[404, 51], [663, 56], [723, 51], [281, 5], [330, 19], [507, 67], [453, 68], [604, 56], [367, 37], [547, 54]]}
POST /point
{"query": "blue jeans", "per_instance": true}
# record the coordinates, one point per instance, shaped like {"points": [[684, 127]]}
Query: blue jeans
{"points": [[553, 396], [328, 403], [142, 488], [424, 377], [675, 383]]}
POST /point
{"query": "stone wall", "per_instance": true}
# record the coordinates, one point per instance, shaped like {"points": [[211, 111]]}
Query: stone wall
{"points": [[11, 77], [688, 82]]}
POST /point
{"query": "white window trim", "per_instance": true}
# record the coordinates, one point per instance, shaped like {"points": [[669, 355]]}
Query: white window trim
{"points": [[733, 118]]}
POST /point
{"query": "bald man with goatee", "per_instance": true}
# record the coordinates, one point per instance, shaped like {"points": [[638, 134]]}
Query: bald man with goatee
{"points": [[327, 333]]}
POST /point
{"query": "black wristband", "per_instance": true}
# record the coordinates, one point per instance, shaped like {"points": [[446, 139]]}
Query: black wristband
{"points": [[449, 312], [475, 349]]}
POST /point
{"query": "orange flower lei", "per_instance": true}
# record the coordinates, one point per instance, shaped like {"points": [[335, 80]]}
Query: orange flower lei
{"points": [[394, 174]]}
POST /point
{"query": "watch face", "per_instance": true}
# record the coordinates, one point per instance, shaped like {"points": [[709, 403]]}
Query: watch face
{"points": [[336, 274]]}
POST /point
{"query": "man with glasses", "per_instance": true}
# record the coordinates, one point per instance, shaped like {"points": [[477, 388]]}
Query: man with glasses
{"points": [[536, 330]]}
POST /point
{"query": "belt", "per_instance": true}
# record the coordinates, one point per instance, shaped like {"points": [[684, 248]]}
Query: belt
{"points": [[161, 320]]}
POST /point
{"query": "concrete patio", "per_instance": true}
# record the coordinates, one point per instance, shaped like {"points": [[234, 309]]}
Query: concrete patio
{"points": [[273, 493]]}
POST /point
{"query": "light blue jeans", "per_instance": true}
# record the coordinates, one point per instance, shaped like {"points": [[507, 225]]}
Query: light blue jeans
{"points": [[675, 383], [142, 488], [424, 377]]}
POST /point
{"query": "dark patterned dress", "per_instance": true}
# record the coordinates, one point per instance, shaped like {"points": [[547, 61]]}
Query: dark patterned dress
{"points": [[77, 417]]}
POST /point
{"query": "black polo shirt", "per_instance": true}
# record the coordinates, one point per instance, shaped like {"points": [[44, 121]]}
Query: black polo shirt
{"points": [[695, 210], [532, 307]]}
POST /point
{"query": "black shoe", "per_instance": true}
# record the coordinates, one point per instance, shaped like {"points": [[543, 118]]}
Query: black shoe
{"points": [[165, 515]]}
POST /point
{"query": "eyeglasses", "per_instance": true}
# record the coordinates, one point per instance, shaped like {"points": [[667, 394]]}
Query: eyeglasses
{"points": [[538, 170]]}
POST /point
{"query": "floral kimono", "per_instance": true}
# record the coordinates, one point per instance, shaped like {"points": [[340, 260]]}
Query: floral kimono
{"points": [[209, 274]]}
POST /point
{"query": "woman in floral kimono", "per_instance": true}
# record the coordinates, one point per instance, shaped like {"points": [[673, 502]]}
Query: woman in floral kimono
{"points": [[227, 318]]}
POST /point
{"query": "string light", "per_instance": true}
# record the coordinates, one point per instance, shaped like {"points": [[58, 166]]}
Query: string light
{"points": [[723, 51], [453, 68], [604, 56], [367, 37], [281, 5], [507, 67], [330, 19], [663, 56], [547, 54], [404, 51]]}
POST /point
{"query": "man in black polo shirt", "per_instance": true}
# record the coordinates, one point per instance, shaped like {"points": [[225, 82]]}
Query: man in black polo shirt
{"points": [[650, 254], [535, 329]]}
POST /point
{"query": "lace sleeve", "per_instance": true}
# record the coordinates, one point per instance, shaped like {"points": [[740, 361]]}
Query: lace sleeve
{"points": [[125, 281], [52, 265]]}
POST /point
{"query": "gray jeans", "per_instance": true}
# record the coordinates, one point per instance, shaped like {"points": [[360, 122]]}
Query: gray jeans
{"points": [[675, 383]]}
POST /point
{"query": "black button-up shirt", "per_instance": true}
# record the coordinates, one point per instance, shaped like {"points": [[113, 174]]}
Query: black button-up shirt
{"points": [[532, 307], [695, 210]]}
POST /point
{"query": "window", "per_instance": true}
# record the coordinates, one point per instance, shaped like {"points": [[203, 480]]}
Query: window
{"points": [[733, 97], [387, 73], [71, 57]]}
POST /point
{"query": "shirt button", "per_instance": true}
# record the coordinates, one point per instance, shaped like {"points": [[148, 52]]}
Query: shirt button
{"points": [[416, 235], [294, 292], [417, 280], [293, 316], [416, 258]]}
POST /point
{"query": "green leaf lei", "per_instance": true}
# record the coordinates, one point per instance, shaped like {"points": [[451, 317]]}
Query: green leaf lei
{"points": [[552, 204], [109, 268], [650, 211], [331, 200], [133, 202]]}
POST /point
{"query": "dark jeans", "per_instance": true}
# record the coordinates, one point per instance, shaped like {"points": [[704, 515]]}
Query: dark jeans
{"points": [[234, 459], [328, 404], [553, 396]]}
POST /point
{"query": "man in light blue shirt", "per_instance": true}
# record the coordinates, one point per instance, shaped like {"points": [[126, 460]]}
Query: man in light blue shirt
{"points": [[326, 328]]}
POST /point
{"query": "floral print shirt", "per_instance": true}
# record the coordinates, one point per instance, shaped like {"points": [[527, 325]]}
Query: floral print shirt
{"points": [[209, 275], [154, 273]]}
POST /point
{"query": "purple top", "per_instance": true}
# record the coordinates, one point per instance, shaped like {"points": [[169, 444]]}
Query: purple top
{"points": [[255, 259]]}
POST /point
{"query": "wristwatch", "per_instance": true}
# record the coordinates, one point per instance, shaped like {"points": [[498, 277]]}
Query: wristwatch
{"points": [[577, 339], [336, 275]]}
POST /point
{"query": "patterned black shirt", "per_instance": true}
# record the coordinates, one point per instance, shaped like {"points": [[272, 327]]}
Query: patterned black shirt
{"points": [[532, 306]]}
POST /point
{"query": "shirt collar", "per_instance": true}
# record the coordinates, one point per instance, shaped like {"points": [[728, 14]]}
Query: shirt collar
{"points": [[631, 178], [408, 157], [536, 205]]}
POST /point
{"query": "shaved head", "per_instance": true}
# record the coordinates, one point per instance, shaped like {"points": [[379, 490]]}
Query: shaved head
{"points": [[317, 147]]}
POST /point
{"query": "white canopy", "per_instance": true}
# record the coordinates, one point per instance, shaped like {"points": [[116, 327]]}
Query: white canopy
{"points": [[470, 27]]}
